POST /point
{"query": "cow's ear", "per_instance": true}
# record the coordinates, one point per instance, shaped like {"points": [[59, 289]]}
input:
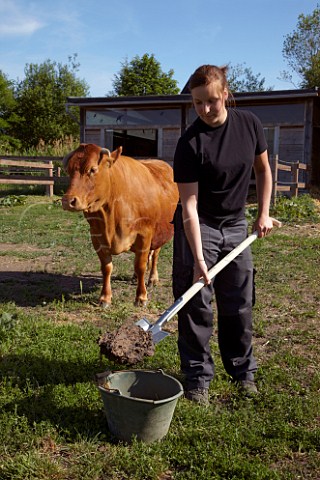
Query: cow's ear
{"points": [[116, 154], [111, 157]]}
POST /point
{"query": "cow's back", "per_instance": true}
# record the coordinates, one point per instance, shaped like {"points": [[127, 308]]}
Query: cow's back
{"points": [[160, 170], [162, 175]]}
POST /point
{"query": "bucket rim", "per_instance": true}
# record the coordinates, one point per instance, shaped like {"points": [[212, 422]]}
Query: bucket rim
{"points": [[108, 373]]}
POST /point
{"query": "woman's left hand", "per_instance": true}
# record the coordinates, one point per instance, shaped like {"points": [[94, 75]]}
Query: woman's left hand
{"points": [[263, 225]]}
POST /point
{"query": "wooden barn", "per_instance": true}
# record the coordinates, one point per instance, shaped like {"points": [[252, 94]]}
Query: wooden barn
{"points": [[150, 126]]}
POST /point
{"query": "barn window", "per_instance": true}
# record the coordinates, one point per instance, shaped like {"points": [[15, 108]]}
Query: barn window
{"points": [[134, 142]]}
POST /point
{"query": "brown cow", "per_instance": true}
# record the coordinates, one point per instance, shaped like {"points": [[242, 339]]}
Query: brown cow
{"points": [[129, 205]]}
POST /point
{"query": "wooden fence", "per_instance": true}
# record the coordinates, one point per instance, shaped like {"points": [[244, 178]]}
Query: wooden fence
{"points": [[16, 170], [290, 185]]}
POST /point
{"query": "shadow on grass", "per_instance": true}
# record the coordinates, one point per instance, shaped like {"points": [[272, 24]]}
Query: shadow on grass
{"points": [[71, 422], [62, 393], [31, 289]]}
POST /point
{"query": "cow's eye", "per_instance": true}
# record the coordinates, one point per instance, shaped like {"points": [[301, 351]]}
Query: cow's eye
{"points": [[93, 170]]}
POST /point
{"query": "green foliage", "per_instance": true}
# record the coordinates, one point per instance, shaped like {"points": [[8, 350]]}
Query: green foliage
{"points": [[143, 76], [11, 200], [7, 115], [295, 209], [7, 101], [7, 324], [41, 97], [58, 148], [301, 49], [242, 79], [312, 73], [290, 210]]}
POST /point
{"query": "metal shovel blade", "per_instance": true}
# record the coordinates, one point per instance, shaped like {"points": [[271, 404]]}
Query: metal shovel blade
{"points": [[144, 324], [157, 333]]}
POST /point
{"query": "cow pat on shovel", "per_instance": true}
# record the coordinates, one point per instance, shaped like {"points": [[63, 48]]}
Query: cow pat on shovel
{"points": [[127, 345]]}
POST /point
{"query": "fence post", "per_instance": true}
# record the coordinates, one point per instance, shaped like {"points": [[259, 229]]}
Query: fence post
{"points": [[274, 170], [295, 179], [49, 188]]}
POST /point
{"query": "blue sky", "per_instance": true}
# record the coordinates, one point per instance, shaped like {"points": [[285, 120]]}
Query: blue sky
{"points": [[182, 34]]}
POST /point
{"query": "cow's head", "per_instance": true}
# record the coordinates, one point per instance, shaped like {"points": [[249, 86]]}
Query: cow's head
{"points": [[89, 170]]}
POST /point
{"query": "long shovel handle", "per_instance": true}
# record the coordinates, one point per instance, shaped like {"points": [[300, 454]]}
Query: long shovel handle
{"points": [[181, 301]]}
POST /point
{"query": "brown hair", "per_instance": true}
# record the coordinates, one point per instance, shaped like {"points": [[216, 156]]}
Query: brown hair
{"points": [[210, 73]]}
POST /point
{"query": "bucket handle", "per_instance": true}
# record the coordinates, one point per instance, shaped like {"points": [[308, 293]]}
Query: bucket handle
{"points": [[100, 377]]}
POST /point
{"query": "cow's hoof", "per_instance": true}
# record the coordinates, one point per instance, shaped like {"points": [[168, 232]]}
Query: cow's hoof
{"points": [[105, 304], [140, 303]]}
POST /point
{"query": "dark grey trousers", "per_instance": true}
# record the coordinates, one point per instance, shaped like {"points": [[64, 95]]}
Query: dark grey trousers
{"points": [[233, 288]]}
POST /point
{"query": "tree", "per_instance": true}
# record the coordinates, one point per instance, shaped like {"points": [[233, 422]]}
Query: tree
{"points": [[301, 49], [312, 75], [41, 99], [242, 79], [7, 116], [143, 76]]}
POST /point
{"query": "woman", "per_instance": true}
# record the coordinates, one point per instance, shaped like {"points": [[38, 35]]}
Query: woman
{"points": [[212, 167]]}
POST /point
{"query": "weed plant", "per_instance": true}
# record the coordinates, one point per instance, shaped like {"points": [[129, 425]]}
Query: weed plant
{"points": [[52, 423], [12, 200], [301, 209], [57, 148]]}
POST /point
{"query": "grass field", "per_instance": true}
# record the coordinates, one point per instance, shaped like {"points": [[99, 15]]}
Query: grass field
{"points": [[52, 424]]}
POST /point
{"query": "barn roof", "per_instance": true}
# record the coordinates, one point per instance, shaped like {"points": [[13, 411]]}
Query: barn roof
{"points": [[271, 96]]}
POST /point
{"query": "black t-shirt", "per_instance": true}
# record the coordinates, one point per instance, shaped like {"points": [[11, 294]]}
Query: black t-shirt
{"points": [[220, 159]]}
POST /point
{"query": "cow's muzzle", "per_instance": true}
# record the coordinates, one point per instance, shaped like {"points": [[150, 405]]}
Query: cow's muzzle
{"points": [[72, 203]]}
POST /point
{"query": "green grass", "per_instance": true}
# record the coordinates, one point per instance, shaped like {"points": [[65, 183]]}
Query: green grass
{"points": [[52, 424]]}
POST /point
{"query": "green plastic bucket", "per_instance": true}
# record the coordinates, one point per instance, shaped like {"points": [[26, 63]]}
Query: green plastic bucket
{"points": [[139, 403]]}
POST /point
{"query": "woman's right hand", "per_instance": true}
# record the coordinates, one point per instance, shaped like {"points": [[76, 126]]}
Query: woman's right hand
{"points": [[201, 271]]}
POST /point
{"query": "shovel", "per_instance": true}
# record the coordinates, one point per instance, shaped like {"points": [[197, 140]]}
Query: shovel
{"points": [[156, 328]]}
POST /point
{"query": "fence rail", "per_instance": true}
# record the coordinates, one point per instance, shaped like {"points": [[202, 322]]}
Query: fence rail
{"points": [[29, 171]]}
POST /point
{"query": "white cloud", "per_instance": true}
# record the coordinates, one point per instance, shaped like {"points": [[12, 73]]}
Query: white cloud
{"points": [[20, 27], [15, 21]]}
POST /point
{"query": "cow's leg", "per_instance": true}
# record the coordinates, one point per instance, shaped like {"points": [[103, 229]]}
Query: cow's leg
{"points": [[106, 270], [96, 231], [106, 292], [142, 249], [153, 275], [140, 269]]}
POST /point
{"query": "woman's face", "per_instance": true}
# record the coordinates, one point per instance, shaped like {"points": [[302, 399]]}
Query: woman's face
{"points": [[209, 102]]}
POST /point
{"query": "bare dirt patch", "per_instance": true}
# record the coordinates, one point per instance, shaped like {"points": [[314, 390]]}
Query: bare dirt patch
{"points": [[13, 261], [36, 280], [308, 230]]}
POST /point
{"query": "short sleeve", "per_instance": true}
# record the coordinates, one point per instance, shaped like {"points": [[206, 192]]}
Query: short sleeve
{"points": [[261, 144], [185, 163]]}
